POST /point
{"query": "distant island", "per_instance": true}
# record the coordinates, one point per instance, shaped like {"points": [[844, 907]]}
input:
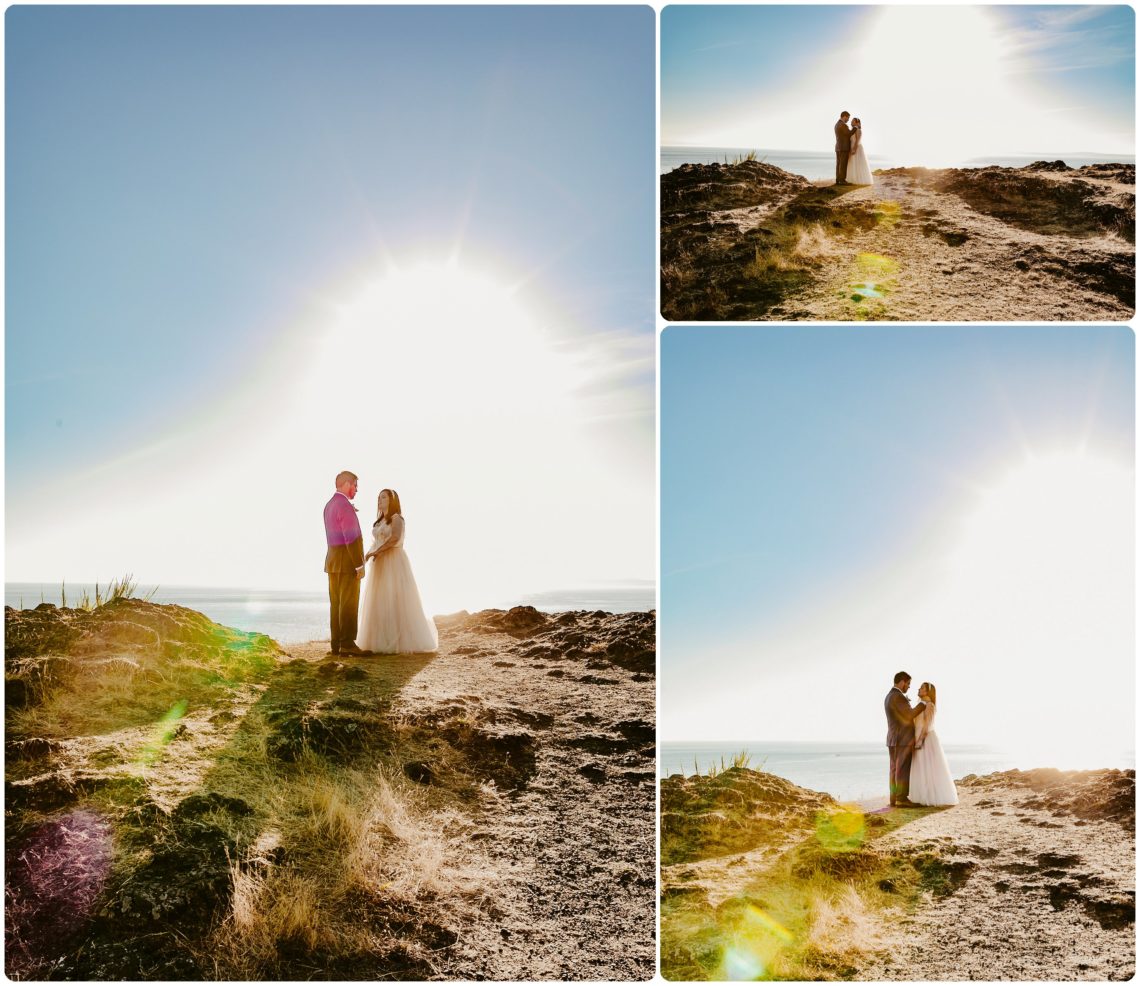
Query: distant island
{"points": [[188, 801], [1031, 877], [1045, 242]]}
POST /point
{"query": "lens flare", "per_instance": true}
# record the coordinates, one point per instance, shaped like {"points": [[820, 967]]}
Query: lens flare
{"points": [[843, 827], [54, 883], [765, 920], [874, 278], [739, 963], [162, 734]]}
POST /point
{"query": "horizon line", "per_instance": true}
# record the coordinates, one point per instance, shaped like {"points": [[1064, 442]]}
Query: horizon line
{"points": [[793, 150]]}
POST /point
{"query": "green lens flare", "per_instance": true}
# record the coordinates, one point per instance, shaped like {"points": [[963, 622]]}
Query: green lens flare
{"points": [[162, 733]]}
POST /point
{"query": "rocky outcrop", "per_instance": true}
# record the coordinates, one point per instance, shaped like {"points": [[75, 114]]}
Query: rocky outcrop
{"points": [[715, 187], [1044, 197], [735, 811], [1090, 795], [50, 646], [600, 640]]}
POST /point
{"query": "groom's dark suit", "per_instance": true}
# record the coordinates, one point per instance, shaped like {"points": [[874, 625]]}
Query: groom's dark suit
{"points": [[343, 561], [900, 741], [842, 150]]}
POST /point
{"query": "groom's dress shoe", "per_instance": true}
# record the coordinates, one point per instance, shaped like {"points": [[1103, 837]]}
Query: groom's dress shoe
{"points": [[906, 803], [353, 650]]}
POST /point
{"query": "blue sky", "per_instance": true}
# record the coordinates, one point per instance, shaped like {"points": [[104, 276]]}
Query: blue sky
{"points": [[191, 192], [815, 477], [1062, 75]]}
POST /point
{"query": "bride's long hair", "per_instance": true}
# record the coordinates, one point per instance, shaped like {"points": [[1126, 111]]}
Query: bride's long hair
{"points": [[393, 506], [931, 692]]}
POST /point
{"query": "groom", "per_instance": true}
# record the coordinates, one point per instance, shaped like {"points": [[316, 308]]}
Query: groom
{"points": [[344, 563], [900, 739], [842, 148]]}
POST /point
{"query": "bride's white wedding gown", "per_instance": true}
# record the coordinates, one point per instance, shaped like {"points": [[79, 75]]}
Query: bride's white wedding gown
{"points": [[930, 780], [392, 618], [858, 170]]}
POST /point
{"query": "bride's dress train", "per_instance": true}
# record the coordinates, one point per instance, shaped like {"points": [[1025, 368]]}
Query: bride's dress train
{"points": [[858, 170], [930, 780], [392, 617]]}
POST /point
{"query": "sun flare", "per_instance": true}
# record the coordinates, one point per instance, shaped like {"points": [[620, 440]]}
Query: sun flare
{"points": [[1049, 530], [936, 86]]}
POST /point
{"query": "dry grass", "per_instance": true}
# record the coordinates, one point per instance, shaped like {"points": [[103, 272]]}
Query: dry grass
{"points": [[414, 852], [88, 696], [810, 916], [274, 912], [797, 246], [839, 919], [351, 839]]}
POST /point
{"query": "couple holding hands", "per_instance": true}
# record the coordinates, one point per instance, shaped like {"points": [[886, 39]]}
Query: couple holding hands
{"points": [[391, 617]]}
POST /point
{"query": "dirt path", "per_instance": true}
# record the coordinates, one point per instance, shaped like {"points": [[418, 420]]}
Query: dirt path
{"points": [[570, 855], [1042, 243], [1047, 897], [932, 257], [566, 844]]}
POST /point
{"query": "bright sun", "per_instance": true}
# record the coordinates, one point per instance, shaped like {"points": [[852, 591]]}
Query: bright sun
{"points": [[1034, 609], [450, 386], [478, 338], [1049, 530], [925, 80]]}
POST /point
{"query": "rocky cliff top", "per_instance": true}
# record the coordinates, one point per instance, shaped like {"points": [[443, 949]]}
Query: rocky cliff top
{"points": [[1043, 242]]}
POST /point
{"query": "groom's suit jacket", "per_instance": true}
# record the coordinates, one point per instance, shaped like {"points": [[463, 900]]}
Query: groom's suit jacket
{"points": [[342, 532], [842, 137], [900, 718]]}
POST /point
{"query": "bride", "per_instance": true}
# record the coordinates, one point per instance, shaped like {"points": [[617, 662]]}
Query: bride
{"points": [[858, 170], [392, 618], [930, 780]]}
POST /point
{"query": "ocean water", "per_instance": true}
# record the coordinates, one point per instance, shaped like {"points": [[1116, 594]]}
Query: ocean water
{"points": [[815, 165], [291, 617], [846, 771]]}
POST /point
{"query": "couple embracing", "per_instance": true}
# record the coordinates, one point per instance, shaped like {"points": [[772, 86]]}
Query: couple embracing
{"points": [[851, 167], [920, 774], [390, 619]]}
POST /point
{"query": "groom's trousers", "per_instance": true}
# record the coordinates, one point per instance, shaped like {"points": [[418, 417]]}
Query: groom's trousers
{"points": [[841, 158], [344, 601], [900, 771]]}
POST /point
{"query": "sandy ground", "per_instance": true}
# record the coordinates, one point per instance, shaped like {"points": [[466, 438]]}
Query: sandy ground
{"points": [[1050, 896]]}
